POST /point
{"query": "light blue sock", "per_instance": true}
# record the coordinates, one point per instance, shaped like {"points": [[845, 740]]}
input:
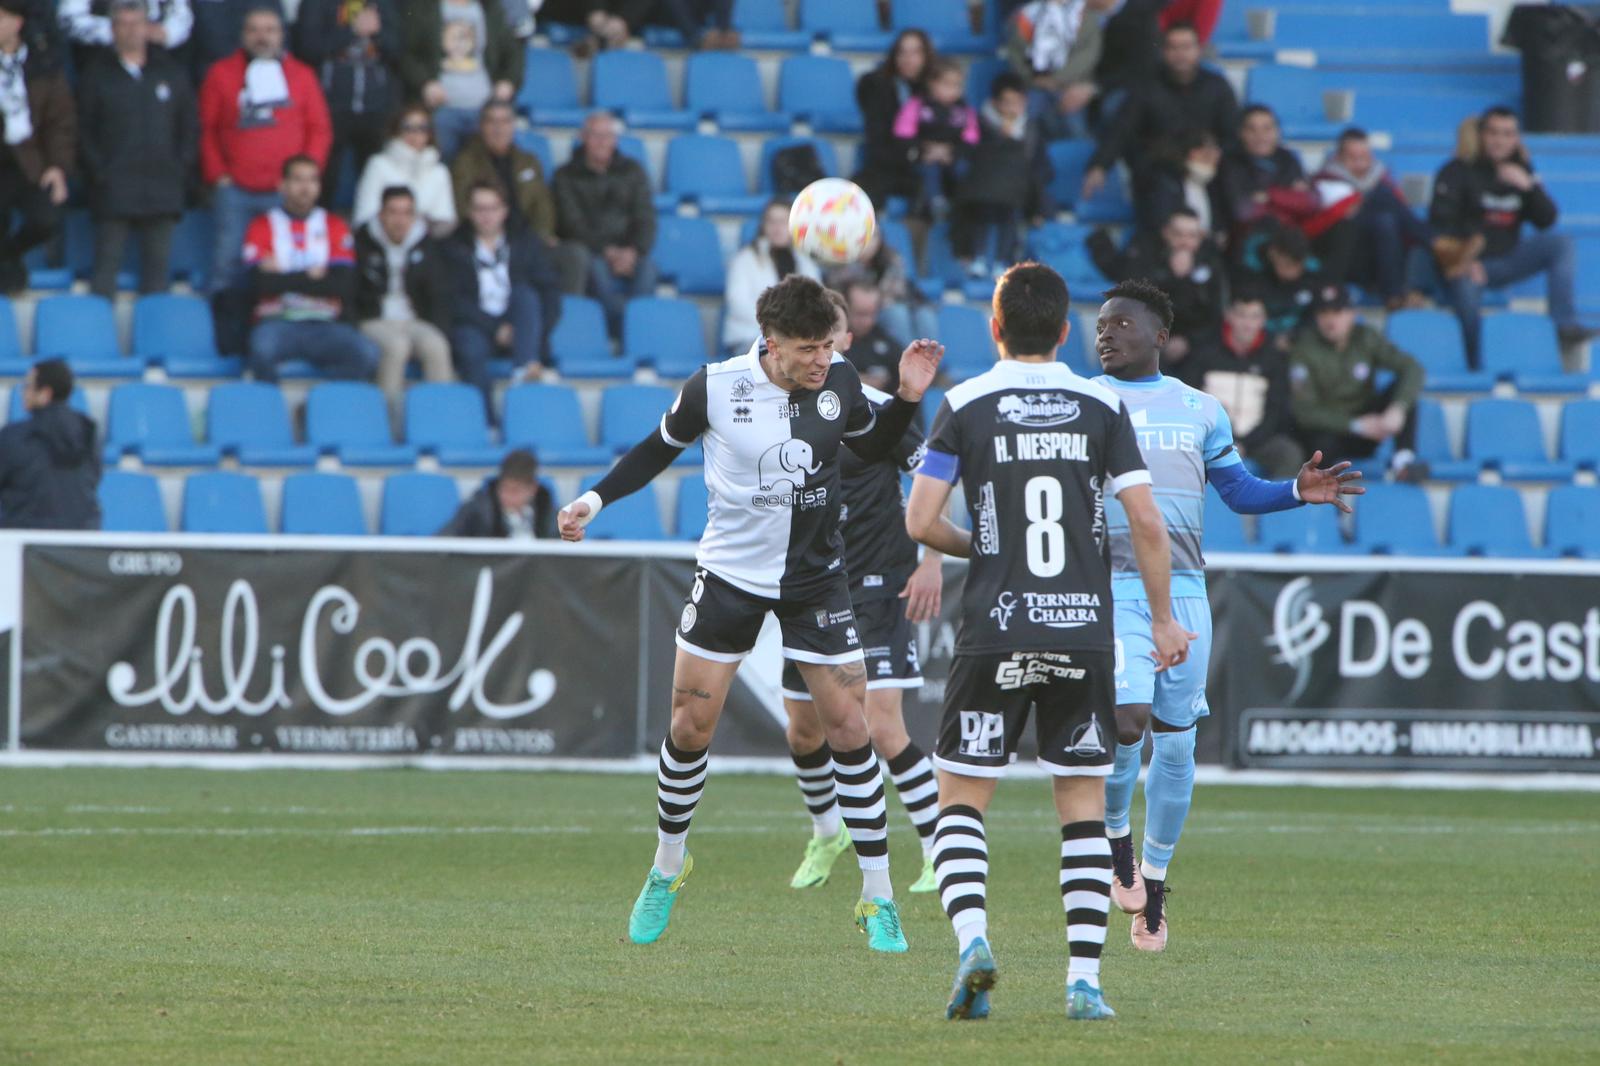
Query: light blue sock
{"points": [[1168, 788], [1119, 787]]}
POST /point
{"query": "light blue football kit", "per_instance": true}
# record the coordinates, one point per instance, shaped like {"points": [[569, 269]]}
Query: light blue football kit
{"points": [[1187, 441]]}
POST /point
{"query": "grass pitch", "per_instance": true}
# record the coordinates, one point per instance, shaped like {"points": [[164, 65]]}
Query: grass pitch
{"points": [[169, 916]]}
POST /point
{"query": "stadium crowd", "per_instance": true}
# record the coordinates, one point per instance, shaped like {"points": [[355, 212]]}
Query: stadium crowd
{"points": [[373, 209]]}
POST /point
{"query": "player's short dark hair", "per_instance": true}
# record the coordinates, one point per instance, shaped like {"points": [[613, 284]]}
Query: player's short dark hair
{"points": [[796, 307], [1147, 293], [1031, 304], [396, 192], [299, 159], [1350, 133], [519, 465], [55, 375], [1008, 81]]}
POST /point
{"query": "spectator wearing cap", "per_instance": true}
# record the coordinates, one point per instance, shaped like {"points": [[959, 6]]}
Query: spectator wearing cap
{"points": [[1249, 376], [511, 504], [1481, 199], [887, 165], [259, 107], [1370, 234], [1183, 95], [139, 137], [49, 466], [459, 55], [1183, 262], [354, 45], [39, 147], [1339, 407]]}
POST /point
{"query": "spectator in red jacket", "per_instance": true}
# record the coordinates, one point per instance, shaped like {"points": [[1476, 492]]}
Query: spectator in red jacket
{"points": [[1261, 182], [258, 108], [1368, 233]]}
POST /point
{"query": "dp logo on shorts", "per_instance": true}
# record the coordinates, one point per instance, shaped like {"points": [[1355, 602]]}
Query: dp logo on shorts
{"points": [[982, 733]]}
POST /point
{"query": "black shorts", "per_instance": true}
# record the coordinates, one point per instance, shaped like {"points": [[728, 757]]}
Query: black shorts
{"points": [[890, 647], [721, 622], [988, 697]]}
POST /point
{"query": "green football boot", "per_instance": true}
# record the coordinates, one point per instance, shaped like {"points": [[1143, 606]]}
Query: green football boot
{"points": [[821, 854], [879, 918], [654, 906]]}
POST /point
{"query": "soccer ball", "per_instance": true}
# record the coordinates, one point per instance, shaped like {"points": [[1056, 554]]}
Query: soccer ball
{"points": [[832, 220]]}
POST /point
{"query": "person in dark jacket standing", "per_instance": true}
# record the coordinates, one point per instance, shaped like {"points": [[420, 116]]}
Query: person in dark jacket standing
{"points": [[512, 504], [402, 294], [49, 466], [606, 220], [1005, 182], [507, 297], [1480, 203], [38, 150], [353, 46], [1184, 95], [138, 138], [887, 168]]}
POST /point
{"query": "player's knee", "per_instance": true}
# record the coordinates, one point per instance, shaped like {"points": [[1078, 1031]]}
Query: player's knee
{"points": [[887, 727], [1132, 720], [804, 731]]}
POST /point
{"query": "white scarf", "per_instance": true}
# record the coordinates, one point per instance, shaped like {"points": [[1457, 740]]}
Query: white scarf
{"points": [[264, 84], [313, 253], [14, 96], [1055, 28]]}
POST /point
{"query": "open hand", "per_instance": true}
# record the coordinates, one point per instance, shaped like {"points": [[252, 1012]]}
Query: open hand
{"points": [[1328, 485], [919, 365]]}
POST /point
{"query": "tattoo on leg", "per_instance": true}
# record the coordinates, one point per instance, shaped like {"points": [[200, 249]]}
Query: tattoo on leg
{"points": [[698, 693], [848, 675]]}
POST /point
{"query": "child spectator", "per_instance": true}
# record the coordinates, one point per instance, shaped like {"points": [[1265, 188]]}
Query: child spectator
{"points": [[942, 129], [1003, 182]]}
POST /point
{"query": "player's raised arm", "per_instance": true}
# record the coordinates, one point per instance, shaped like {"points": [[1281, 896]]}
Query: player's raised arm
{"points": [[678, 429], [875, 431], [1244, 493]]}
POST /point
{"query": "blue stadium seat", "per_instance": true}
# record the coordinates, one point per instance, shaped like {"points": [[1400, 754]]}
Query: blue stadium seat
{"points": [[1395, 519], [690, 509], [941, 269], [537, 145], [968, 347], [635, 83], [825, 156], [131, 503], [634, 517], [548, 420], [689, 254], [1489, 520], [1111, 204], [152, 421], [1224, 530], [1589, 278], [1434, 339], [1522, 347], [1433, 445], [946, 21], [820, 89], [15, 412], [727, 86], [81, 330], [666, 334], [1572, 521], [1305, 529], [176, 332], [850, 25], [764, 24], [328, 504], [1580, 433], [710, 171], [1063, 247], [249, 420], [193, 245], [981, 74], [549, 93], [221, 501], [447, 419], [1505, 434], [579, 342], [628, 412], [1334, 30], [351, 420], [11, 358], [417, 505], [1068, 160]]}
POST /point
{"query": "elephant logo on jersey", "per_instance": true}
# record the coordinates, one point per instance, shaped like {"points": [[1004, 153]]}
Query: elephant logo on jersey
{"points": [[790, 461]]}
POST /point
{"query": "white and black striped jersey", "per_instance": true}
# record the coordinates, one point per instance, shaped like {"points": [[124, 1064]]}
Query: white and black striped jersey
{"points": [[772, 471], [878, 551], [1035, 448]]}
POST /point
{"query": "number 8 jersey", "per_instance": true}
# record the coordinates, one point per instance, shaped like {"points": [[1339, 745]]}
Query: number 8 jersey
{"points": [[1035, 447]]}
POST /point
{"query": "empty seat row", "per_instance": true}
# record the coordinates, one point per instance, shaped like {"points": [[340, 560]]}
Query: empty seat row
{"points": [[1505, 435], [1518, 347]]}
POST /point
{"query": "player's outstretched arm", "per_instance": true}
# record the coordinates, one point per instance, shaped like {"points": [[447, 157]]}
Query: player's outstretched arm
{"points": [[926, 521], [887, 424], [1152, 550], [1244, 493], [633, 472]]}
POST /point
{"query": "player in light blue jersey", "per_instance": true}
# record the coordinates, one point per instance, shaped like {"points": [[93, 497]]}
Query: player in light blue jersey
{"points": [[1187, 441]]}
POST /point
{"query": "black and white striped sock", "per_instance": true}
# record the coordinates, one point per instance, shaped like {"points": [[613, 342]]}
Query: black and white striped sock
{"points": [[859, 781], [913, 779], [680, 779], [814, 774], [1086, 895], [961, 863]]}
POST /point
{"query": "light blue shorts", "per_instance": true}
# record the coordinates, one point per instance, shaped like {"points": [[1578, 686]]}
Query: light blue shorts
{"points": [[1177, 695]]}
